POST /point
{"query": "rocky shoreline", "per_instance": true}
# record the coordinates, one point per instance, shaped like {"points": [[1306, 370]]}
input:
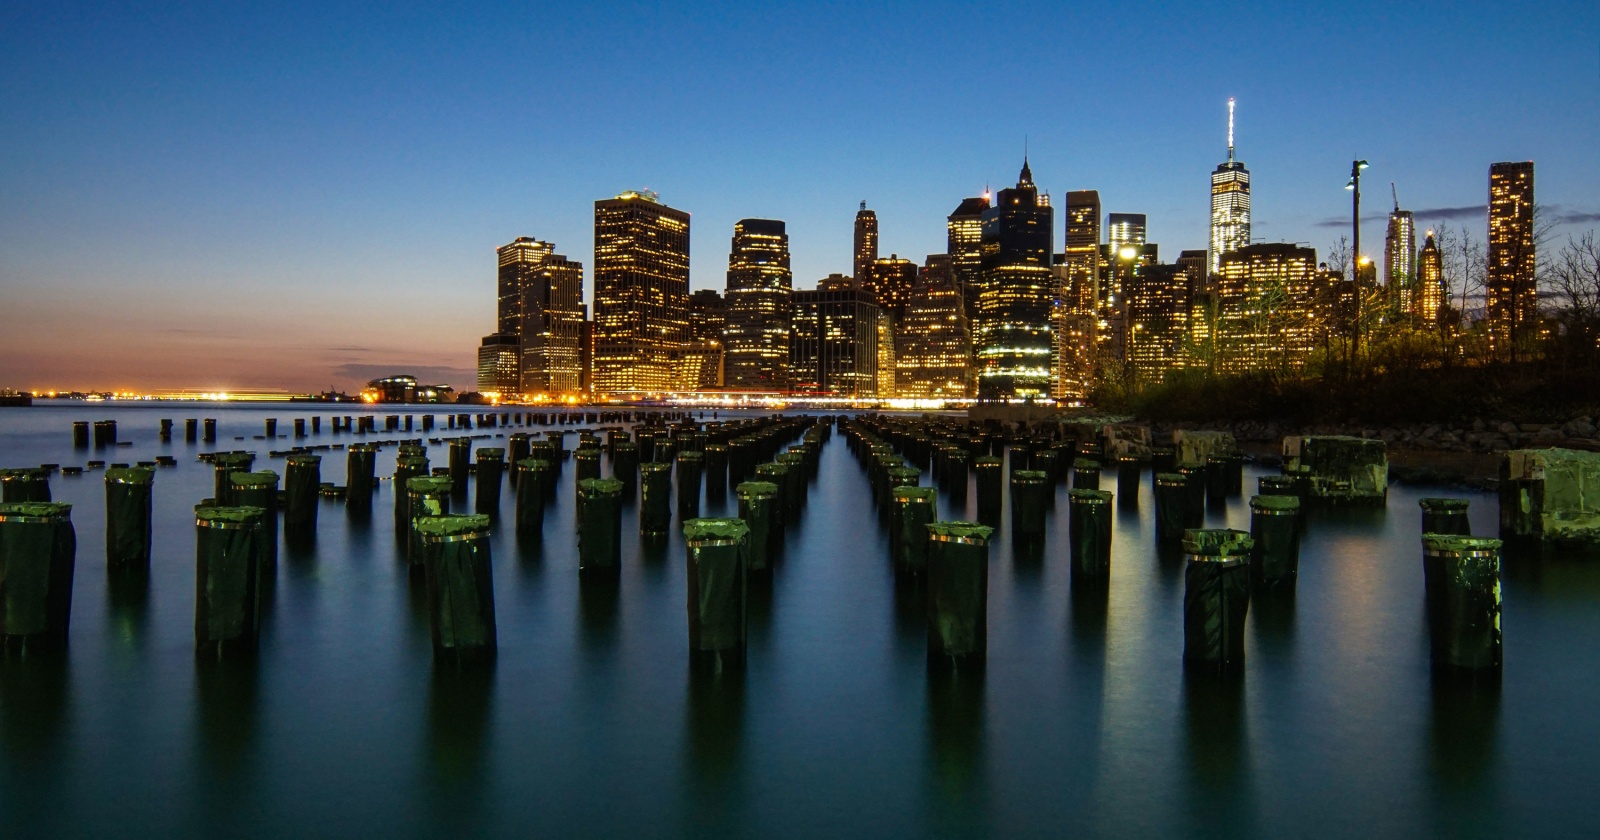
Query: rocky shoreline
{"points": [[1435, 453]]}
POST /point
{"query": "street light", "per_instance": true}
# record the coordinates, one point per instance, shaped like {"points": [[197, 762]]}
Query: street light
{"points": [[1354, 186]]}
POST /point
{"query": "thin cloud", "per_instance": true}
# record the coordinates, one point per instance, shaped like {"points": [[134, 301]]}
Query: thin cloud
{"points": [[1429, 214], [1578, 217], [1344, 221], [1473, 211]]}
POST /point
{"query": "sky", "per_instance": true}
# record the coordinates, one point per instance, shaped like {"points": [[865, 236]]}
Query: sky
{"points": [[229, 196]]}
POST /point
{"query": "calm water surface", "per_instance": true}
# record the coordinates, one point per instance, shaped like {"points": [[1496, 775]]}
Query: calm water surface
{"points": [[591, 724]]}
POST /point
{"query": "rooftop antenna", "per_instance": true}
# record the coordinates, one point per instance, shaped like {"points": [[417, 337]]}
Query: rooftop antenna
{"points": [[863, 204], [1230, 129]]}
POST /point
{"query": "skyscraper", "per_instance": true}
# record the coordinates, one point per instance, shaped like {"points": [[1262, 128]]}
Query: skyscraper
{"points": [[964, 244], [1511, 299], [866, 242], [1017, 301], [552, 327], [517, 263], [932, 348], [1230, 203], [1159, 301], [1399, 255], [1427, 304], [708, 315], [1266, 296], [1125, 229], [890, 280], [539, 322], [834, 349], [760, 289], [1077, 295], [499, 362], [641, 291]]}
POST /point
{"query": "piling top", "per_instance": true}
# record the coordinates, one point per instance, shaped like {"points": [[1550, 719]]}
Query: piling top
{"points": [[692, 455], [1457, 544], [1171, 478], [904, 472], [1030, 476], [362, 447], [1085, 464], [1276, 481], [428, 484], [707, 530], [772, 468], [452, 525], [491, 454], [716, 447], [301, 459], [1089, 497], [791, 457], [34, 511], [1444, 505], [238, 514], [627, 446], [230, 458], [906, 495], [888, 457], [654, 467], [600, 487], [414, 461], [265, 478], [534, 464], [987, 461], [584, 453], [131, 475], [1217, 542], [22, 472], [960, 531], [1130, 458], [1271, 502], [756, 490]]}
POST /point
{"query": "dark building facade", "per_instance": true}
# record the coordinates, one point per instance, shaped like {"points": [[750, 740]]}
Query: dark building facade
{"points": [[866, 242], [834, 345], [708, 315], [890, 281]]}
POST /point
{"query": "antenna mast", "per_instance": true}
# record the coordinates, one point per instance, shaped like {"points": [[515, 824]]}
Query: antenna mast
{"points": [[1230, 129]]}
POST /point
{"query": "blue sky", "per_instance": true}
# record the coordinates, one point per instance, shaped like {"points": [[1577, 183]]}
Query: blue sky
{"points": [[303, 195]]}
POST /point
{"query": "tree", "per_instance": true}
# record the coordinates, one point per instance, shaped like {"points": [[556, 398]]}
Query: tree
{"points": [[1572, 283]]}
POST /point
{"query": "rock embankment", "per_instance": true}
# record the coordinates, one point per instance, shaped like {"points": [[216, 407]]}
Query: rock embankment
{"points": [[1466, 453]]}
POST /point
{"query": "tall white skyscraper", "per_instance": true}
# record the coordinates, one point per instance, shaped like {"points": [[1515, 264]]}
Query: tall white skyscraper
{"points": [[1230, 203]]}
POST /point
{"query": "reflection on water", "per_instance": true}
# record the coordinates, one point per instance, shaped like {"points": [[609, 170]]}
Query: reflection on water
{"points": [[1463, 742], [1220, 784], [459, 699], [128, 600], [598, 611], [1080, 716], [34, 707], [35, 715], [226, 698], [956, 746]]}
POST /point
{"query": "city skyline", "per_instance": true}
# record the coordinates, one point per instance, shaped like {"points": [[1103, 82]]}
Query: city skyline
{"points": [[249, 213]]}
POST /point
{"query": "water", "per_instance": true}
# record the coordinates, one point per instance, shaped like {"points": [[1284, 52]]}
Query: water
{"points": [[591, 724]]}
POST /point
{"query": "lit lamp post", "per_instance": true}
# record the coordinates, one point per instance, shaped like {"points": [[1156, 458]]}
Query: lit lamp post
{"points": [[1354, 186]]}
